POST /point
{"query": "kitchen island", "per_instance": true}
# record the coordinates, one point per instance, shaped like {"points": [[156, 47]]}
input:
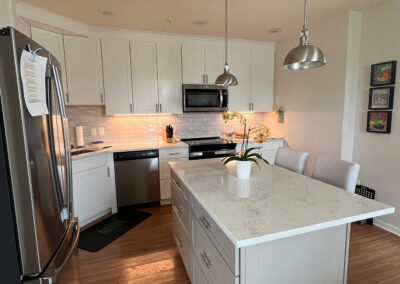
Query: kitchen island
{"points": [[276, 227]]}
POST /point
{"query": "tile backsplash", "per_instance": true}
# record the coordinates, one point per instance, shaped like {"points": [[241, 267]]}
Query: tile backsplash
{"points": [[140, 128]]}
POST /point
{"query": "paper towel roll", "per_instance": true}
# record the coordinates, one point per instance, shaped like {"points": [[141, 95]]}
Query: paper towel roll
{"points": [[79, 141]]}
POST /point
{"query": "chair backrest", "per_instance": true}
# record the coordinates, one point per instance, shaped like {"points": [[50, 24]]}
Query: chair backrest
{"points": [[291, 159], [336, 172]]}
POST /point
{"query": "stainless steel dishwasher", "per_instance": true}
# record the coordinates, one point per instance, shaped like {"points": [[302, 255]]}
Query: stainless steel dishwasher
{"points": [[137, 177]]}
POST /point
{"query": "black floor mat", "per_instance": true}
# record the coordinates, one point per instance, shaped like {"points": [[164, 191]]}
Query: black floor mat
{"points": [[110, 229]]}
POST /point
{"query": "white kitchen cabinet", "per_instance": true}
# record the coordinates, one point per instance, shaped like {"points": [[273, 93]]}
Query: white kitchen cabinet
{"points": [[144, 77], [262, 78], [240, 66], [84, 70], [193, 68], [54, 43], [201, 64], [94, 192], [117, 76], [267, 149], [166, 156], [169, 78]]}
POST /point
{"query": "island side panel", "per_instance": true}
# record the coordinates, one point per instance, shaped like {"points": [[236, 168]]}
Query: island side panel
{"points": [[311, 258]]}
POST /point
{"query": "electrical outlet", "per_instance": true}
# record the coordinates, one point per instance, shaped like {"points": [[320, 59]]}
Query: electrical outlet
{"points": [[101, 131], [94, 131]]}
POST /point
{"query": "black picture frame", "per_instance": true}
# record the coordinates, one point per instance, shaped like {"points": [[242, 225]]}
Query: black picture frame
{"points": [[377, 130], [373, 92], [374, 69]]}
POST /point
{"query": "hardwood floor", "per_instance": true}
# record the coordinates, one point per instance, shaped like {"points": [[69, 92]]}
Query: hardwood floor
{"points": [[147, 254]]}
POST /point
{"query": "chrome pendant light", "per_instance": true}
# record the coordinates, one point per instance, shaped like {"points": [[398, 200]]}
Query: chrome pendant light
{"points": [[226, 78], [305, 55]]}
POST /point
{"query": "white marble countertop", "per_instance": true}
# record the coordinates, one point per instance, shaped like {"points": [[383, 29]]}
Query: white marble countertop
{"points": [[274, 203], [137, 146]]}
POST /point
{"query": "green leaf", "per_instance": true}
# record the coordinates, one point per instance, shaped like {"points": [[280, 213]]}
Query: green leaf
{"points": [[248, 151], [230, 159]]}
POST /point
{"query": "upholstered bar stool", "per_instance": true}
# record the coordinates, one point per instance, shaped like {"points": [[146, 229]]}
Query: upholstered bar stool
{"points": [[291, 159], [336, 172]]}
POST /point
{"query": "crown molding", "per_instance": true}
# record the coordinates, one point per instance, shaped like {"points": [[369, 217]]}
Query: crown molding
{"points": [[41, 18]]}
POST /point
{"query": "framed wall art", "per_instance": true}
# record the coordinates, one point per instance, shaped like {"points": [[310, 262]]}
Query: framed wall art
{"points": [[383, 73], [379, 121], [381, 98]]}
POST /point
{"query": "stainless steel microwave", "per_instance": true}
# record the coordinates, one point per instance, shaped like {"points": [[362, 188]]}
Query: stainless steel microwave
{"points": [[207, 98]]}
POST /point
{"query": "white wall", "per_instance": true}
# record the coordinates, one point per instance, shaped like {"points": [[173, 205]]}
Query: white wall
{"points": [[7, 13], [379, 154], [313, 99]]}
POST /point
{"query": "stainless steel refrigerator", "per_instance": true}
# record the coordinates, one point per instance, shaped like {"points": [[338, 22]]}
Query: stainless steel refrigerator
{"points": [[38, 238]]}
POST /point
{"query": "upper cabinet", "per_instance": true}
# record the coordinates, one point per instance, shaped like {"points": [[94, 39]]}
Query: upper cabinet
{"points": [[55, 45], [253, 67], [240, 65], [201, 64], [144, 77], [84, 70], [117, 76], [169, 78], [262, 78]]}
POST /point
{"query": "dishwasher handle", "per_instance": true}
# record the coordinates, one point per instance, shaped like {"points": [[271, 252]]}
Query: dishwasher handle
{"points": [[135, 155]]}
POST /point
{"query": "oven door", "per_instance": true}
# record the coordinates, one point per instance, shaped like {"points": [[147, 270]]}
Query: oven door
{"points": [[205, 98]]}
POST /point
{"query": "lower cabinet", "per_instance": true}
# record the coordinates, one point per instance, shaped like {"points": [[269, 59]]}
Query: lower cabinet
{"points": [[166, 156], [94, 192], [267, 149]]}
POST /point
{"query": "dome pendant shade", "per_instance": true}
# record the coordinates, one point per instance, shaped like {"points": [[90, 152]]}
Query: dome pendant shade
{"points": [[226, 78], [304, 57]]}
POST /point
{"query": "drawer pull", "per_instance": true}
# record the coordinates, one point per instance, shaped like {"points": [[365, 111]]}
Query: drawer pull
{"points": [[176, 185], [206, 259], [205, 222], [178, 242], [172, 154], [180, 210]]}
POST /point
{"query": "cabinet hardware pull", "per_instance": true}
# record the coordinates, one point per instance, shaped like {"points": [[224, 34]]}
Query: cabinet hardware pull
{"points": [[160, 107], [249, 106], [171, 154], [156, 107], [207, 78], [101, 97], [131, 107], [180, 210], [205, 222], [178, 242], [206, 259], [67, 94], [176, 185], [252, 106], [108, 172]]}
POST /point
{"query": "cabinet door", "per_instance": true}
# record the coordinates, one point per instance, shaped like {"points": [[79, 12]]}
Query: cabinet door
{"points": [[54, 43], [144, 77], [117, 76], [84, 70], [169, 78], [262, 78], [91, 193], [214, 63], [165, 189], [193, 68], [239, 64]]}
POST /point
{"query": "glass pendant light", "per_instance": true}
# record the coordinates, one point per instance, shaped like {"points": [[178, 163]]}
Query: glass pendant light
{"points": [[305, 55], [226, 78]]}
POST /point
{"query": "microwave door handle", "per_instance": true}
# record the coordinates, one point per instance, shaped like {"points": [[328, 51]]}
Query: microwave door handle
{"points": [[64, 124], [221, 98]]}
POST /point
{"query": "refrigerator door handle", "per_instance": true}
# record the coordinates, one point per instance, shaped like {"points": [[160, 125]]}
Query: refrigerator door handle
{"points": [[50, 130], [64, 123], [50, 276]]}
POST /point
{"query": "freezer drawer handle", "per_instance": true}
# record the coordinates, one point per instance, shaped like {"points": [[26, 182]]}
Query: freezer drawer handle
{"points": [[52, 278], [205, 222], [206, 259]]}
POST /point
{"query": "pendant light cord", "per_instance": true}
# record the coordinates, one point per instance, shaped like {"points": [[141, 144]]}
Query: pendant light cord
{"points": [[305, 13], [226, 32]]}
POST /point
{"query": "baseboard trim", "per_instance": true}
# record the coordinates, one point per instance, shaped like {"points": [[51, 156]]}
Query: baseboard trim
{"points": [[387, 227]]}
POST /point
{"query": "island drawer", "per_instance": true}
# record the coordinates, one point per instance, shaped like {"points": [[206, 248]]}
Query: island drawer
{"points": [[182, 242], [181, 208], [198, 276], [210, 260], [180, 187], [221, 241]]}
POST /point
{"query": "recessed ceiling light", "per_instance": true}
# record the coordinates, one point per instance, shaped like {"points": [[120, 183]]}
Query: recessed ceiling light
{"points": [[274, 30], [199, 22], [105, 12]]}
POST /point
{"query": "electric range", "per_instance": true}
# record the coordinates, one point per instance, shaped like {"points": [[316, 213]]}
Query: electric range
{"points": [[209, 147]]}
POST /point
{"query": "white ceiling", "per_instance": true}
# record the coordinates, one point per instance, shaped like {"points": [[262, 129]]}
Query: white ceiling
{"points": [[248, 19]]}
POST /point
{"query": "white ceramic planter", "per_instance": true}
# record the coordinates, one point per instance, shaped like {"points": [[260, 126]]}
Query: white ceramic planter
{"points": [[243, 169]]}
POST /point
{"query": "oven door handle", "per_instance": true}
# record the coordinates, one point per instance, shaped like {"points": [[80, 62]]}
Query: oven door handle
{"points": [[221, 98]]}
